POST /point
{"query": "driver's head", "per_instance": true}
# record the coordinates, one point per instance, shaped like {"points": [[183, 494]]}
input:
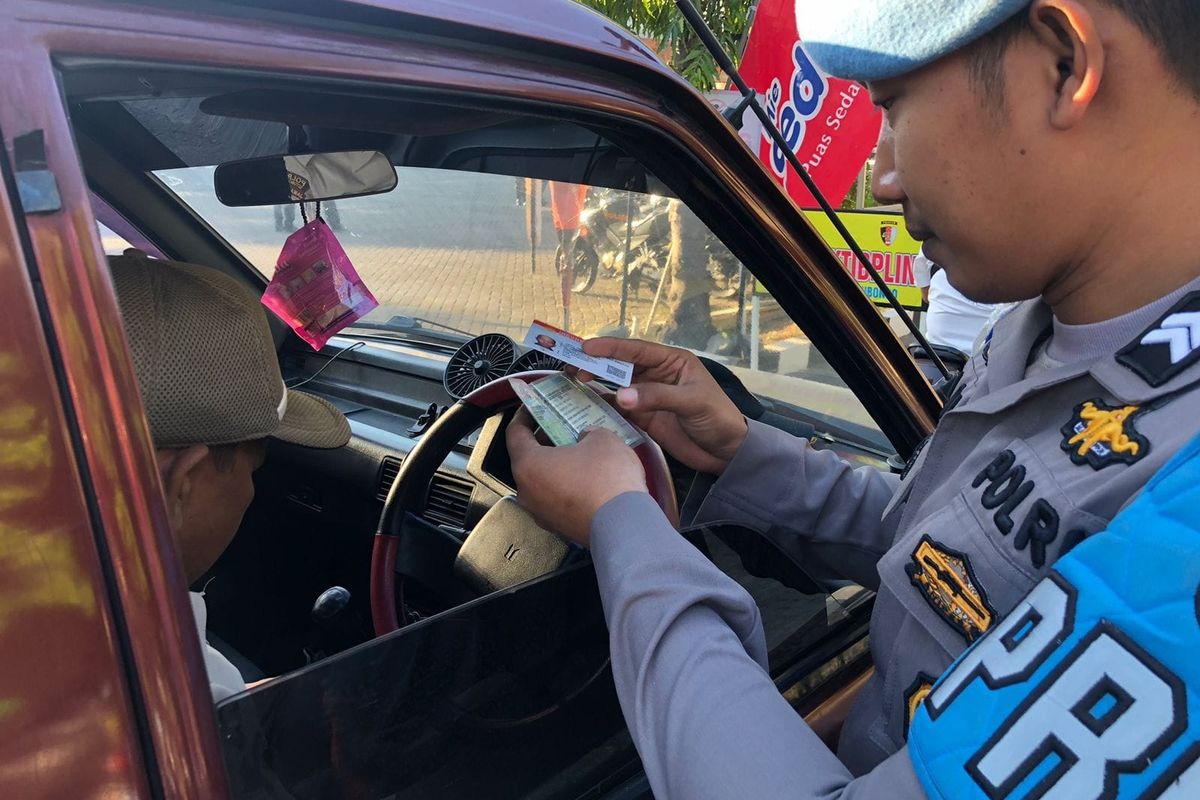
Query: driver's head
{"points": [[213, 394], [1037, 146]]}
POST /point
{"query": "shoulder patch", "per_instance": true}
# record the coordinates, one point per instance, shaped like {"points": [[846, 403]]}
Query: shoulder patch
{"points": [[1101, 435], [946, 581], [914, 695], [1169, 346]]}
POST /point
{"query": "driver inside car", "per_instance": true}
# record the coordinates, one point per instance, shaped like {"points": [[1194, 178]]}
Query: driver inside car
{"points": [[213, 394]]}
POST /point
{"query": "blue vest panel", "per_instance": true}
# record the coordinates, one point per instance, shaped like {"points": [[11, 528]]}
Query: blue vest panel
{"points": [[1090, 687]]}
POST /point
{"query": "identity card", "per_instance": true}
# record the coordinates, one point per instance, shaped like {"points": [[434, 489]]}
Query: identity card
{"points": [[569, 348], [564, 408]]}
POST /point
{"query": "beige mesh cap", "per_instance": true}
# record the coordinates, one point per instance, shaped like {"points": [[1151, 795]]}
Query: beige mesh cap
{"points": [[206, 362]]}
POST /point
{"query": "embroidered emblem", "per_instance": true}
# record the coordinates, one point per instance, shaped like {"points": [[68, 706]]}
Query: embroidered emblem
{"points": [[1169, 346], [916, 693], [1006, 490], [947, 582], [1100, 435]]}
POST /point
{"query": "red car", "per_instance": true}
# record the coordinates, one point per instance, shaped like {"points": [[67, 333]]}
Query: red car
{"points": [[114, 117]]}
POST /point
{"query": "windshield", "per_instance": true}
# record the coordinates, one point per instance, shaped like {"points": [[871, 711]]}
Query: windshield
{"points": [[451, 254], [454, 249]]}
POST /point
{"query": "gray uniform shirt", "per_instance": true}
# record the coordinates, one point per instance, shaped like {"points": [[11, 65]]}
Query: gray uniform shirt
{"points": [[1020, 468]]}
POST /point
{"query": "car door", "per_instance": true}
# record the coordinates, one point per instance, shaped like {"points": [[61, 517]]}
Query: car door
{"points": [[103, 684], [476, 697], [65, 692]]}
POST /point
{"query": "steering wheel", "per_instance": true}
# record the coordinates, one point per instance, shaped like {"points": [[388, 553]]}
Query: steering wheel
{"points": [[506, 523]]}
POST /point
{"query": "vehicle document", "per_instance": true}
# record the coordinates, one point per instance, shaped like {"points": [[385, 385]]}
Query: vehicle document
{"points": [[568, 347], [564, 408]]}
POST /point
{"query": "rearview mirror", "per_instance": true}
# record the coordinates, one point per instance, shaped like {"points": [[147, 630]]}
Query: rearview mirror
{"points": [[275, 180]]}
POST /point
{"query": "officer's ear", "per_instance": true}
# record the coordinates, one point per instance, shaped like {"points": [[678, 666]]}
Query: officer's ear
{"points": [[1074, 57]]}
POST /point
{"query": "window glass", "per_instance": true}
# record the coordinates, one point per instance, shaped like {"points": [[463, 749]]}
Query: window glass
{"points": [[113, 243], [510, 697], [465, 253], [116, 232]]}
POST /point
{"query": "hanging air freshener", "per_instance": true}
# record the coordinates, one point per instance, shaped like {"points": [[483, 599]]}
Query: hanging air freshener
{"points": [[316, 289]]}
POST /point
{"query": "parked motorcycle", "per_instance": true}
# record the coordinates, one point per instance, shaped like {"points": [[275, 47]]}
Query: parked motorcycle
{"points": [[601, 243]]}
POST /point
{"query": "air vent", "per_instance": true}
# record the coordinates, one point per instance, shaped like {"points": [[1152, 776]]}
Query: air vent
{"points": [[387, 476], [481, 360], [534, 359], [448, 500]]}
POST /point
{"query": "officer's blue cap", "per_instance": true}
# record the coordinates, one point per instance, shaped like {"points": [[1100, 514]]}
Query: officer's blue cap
{"points": [[872, 40]]}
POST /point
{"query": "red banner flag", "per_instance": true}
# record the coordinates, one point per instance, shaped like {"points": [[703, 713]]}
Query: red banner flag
{"points": [[829, 123]]}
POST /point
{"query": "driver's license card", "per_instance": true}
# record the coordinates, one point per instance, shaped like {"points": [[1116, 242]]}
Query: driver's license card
{"points": [[568, 347], [564, 408]]}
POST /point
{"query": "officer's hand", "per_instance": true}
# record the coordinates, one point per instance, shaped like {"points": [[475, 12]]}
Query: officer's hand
{"points": [[564, 487], [675, 400]]}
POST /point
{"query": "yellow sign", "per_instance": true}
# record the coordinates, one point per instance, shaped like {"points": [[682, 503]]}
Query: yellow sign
{"points": [[886, 243]]}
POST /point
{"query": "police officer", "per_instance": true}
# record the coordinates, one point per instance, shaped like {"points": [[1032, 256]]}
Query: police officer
{"points": [[1039, 150]]}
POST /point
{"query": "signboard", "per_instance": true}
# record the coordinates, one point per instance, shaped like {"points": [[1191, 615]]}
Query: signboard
{"points": [[829, 123], [886, 243]]}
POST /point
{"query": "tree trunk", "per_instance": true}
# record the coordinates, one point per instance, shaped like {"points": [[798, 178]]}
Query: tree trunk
{"points": [[689, 320]]}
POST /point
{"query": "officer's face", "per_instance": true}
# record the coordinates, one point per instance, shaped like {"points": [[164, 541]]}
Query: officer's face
{"points": [[981, 181]]}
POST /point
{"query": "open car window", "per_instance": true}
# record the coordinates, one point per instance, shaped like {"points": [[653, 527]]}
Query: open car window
{"points": [[496, 220]]}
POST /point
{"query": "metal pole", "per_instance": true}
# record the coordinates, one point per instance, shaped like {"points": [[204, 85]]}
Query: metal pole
{"points": [[533, 215], [750, 99], [662, 280], [755, 330], [625, 261], [739, 328]]}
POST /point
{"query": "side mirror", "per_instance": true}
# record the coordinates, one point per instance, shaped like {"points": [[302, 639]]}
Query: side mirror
{"points": [[276, 180]]}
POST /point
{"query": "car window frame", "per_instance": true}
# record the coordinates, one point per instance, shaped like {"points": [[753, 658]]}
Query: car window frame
{"points": [[790, 670], [321, 64]]}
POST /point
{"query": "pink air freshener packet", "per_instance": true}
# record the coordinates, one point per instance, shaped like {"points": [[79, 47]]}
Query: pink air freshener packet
{"points": [[316, 289]]}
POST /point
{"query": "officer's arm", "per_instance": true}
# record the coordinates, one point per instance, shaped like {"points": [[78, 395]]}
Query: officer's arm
{"points": [[689, 660], [810, 503]]}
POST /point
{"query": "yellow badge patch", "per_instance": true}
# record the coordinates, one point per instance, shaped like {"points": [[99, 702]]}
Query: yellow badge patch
{"points": [[947, 582], [915, 695], [1100, 435]]}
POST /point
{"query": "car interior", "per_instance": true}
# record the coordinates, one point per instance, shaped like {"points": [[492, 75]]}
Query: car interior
{"points": [[460, 256]]}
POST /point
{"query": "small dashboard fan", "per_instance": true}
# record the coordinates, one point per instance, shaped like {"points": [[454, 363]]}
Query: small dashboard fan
{"points": [[533, 360], [479, 361]]}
